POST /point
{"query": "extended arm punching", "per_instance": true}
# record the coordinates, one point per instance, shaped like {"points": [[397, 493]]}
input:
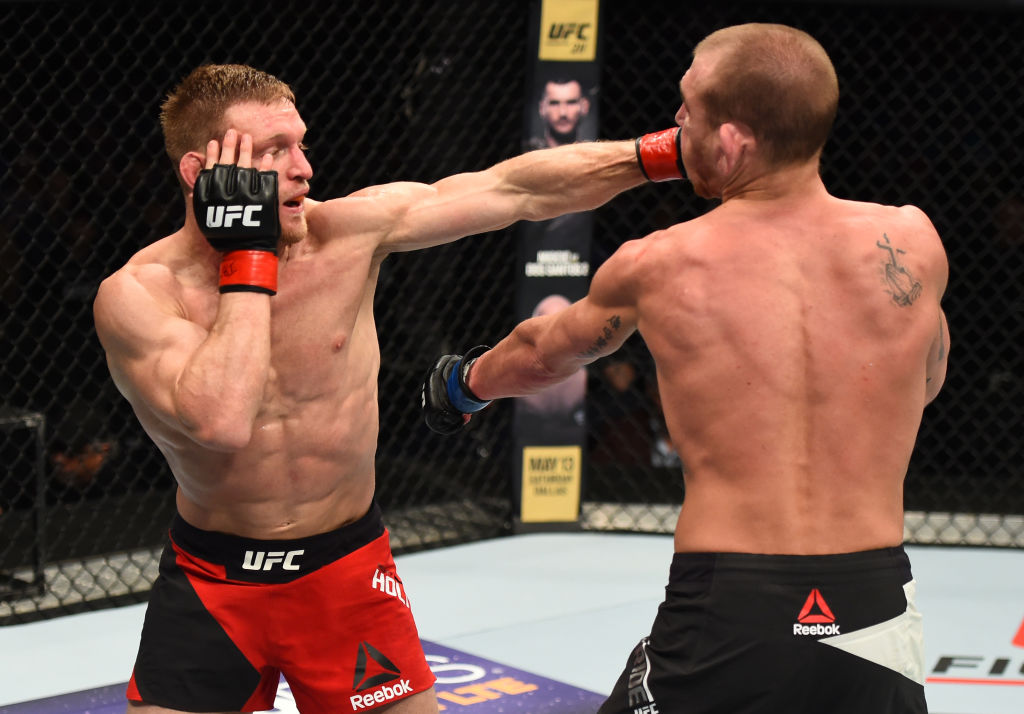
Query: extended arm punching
{"points": [[534, 186], [539, 352], [546, 350]]}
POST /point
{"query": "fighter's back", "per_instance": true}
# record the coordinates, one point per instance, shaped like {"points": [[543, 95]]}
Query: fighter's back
{"points": [[792, 339]]}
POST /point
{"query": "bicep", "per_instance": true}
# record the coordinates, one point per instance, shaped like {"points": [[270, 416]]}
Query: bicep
{"points": [[602, 321], [454, 207], [590, 329]]}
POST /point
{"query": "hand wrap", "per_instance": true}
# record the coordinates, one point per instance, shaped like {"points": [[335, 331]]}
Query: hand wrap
{"points": [[236, 209], [660, 155], [446, 397]]}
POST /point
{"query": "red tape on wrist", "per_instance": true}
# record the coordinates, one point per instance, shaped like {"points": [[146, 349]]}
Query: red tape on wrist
{"points": [[660, 155], [249, 271]]}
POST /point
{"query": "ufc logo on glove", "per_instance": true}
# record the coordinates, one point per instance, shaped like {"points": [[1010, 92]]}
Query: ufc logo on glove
{"points": [[236, 209], [224, 216]]}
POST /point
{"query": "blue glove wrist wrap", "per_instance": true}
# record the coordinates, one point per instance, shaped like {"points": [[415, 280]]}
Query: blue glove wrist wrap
{"points": [[459, 397]]}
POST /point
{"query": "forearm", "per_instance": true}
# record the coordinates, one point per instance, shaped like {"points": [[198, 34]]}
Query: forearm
{"points": [[523, 363], [571, 178], [220, 390]]}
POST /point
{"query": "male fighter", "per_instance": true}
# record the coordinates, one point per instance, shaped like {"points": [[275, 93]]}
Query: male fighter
{"points": [[797, 339], [246, 344], [561, 108]]}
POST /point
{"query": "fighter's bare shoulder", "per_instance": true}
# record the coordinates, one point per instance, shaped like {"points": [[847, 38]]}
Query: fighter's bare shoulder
{"points": [[145, 286], [638, 261], [147, 271], [373, 210], [916, 217], [906, 216], [911, 224], [680, 238]]}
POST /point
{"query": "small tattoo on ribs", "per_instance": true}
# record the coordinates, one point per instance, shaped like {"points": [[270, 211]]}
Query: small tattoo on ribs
{"points": [[899, 283]]}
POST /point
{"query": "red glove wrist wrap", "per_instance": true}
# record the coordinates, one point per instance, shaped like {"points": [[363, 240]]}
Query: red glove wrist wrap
{"points": [[660, 155], [249, 271]]}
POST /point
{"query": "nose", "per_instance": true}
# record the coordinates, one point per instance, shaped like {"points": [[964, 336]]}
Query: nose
{"points": [[681, 114], [300, 168]]}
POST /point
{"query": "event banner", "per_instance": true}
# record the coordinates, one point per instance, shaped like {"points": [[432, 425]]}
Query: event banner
{"points": [[553, 266]]}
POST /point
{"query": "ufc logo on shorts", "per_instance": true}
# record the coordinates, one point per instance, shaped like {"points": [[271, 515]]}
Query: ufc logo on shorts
{"points": [[263, 560], [224, 216]]}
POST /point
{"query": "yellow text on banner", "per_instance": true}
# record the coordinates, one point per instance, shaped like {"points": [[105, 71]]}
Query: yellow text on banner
{"points": [[551, 483]]}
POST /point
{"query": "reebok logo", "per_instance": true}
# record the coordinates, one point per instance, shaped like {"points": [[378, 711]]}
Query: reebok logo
{"points": [[380, 695], [224, 216], [262, 560], [387, 581], [373, 668], [815, 617], [373, 672]]}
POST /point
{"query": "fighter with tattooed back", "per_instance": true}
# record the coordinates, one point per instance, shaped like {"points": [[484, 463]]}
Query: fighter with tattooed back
{"points": [[797, 339]]}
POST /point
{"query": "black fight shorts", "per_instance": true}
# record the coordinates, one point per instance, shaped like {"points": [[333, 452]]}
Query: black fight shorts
{"points": [[770, 634]]}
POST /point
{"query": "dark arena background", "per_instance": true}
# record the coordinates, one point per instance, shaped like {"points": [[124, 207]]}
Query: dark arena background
{"points": [[931, 114]]}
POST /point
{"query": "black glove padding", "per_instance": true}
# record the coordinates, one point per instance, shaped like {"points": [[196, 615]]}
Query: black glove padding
{"points": [[446, 398], [236, 208]]}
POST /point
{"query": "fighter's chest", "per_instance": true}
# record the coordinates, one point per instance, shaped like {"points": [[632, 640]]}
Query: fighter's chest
{"points": [[313, 316]]}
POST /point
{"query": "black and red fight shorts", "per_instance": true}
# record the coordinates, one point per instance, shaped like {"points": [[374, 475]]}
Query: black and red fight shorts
{"points": [[228, 615], [763, 634]]}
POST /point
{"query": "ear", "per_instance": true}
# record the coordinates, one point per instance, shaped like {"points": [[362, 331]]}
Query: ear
{"points": [[190, 166], [734, 140], [584, 106]]}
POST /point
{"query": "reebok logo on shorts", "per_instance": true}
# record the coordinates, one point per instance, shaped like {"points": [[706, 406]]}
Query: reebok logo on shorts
{"points": [[815, 617], [373, 668], [373, 676]]}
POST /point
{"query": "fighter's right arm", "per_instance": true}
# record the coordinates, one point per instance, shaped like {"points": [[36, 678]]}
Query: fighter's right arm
{"points": [[540, 351], [206, 385], [548, 349]]}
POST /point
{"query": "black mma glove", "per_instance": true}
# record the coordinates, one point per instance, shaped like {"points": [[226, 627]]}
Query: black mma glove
{"points": [[446, 398], [236, 209]]}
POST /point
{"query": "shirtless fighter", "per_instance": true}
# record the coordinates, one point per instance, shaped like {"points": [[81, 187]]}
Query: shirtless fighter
{"points": [[246, 344], [797, 338]]}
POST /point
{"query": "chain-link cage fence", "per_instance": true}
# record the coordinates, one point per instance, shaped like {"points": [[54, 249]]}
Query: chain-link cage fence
{"points": [[931, 114]]}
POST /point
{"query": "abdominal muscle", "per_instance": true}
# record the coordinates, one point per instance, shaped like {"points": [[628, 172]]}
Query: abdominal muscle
{"points": [[306, 471]]}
